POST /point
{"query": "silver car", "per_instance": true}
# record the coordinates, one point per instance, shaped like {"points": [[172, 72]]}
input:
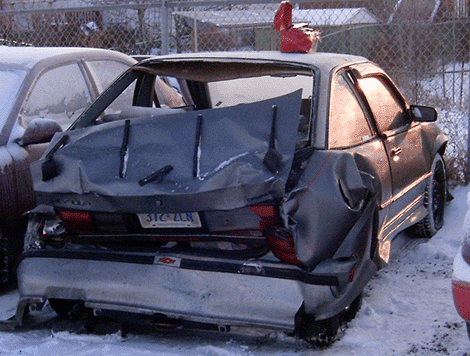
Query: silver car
{"points": [[43, 90], [258, 189]]}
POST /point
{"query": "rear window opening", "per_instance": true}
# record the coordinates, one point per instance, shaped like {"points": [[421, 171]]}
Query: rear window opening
{"points": [[249, 90]]}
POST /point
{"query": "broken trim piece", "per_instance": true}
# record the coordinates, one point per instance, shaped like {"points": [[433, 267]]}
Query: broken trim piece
{"points": [[156, 176], [197, 146], [272, 159], [124, 149], [48, 166]]}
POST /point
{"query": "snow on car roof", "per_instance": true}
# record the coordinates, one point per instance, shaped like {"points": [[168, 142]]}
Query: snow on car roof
{"points": [[29, 56]]}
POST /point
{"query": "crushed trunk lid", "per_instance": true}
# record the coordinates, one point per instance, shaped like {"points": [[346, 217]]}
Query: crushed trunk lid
{"points": [[209, 159]]}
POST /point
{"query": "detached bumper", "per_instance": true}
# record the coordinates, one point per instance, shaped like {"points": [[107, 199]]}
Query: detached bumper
{"points": [[208, 290]]}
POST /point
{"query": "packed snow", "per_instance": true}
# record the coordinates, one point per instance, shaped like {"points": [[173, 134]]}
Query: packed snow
{"points": [[407, 310]]}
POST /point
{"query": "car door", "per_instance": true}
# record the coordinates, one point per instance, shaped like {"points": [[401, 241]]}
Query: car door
{"points": [[402, 140], [60, 93], [350, 129]]}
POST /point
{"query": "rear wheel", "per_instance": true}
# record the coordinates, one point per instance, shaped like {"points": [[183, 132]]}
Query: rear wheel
{"points": [[434, 200], [62, 306], [73, 309], [4, 260], [11, 246], [323, 333]]}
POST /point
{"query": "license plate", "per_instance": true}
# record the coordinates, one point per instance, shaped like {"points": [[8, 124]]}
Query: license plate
{"points": [[170, 220]]}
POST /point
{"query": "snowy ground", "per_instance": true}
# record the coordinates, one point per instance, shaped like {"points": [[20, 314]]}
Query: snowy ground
{"points": [[407, 310]]}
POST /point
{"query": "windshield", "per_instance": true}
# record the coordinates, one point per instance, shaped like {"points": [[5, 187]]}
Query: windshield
{"points": [[10, 82]]}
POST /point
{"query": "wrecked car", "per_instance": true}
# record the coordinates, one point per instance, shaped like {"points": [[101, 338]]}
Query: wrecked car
{"points": [[258, 189]]}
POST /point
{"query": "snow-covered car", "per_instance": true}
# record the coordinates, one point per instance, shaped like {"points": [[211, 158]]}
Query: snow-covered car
{"points": [[258, 189], [43, 90]]}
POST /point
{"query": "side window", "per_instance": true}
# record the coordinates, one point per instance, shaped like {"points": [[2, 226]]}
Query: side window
{"points": [[104, 72], [60, 94], [348, 125], [386, 107]]}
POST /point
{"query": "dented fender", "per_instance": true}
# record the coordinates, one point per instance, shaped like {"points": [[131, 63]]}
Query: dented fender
{"points": [[329, 199]]}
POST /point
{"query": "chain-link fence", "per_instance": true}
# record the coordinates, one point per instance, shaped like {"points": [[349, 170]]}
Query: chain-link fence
{"points": [[422, 44]]}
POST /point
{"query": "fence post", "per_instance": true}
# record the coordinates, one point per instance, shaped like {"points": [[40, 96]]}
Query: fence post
{"points": [[164, 21], [467, 175]]}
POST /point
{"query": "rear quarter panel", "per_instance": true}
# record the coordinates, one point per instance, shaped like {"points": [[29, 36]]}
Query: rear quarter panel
{"points": [[317, 210]]}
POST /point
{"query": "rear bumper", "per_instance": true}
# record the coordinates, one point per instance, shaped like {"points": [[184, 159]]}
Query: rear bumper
{"points": [[218, 291]]}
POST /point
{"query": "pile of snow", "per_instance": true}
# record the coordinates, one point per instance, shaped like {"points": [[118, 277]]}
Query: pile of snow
{"points": [[407, 310]]}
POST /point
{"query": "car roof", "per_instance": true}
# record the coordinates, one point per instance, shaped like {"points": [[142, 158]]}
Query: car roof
{"points": [[323, 61], [28, 57]]}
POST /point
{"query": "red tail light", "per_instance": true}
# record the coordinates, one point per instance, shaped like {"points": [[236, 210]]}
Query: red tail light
{"points": [[267, 213], [264, 211], [77, 220], [281, 242], [282, 245], [461, 293]]}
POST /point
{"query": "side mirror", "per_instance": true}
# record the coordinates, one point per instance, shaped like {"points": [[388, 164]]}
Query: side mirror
{"points": [[423, 113], [39, 131]]}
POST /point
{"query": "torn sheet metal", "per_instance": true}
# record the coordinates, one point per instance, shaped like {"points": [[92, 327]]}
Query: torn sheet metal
{"points": [[332, 189], [216, 165]]}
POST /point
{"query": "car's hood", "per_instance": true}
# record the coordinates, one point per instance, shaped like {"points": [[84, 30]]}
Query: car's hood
{"points": [[209, 159]]}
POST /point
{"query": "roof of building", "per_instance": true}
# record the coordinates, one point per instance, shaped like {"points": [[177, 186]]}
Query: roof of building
{"points": [[252, 18]]}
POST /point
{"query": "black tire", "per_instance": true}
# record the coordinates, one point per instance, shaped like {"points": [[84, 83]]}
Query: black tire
{"points": [[434, 200], [62, 307], [350, 312], [4, 261], [322, 333], [11, 246]]}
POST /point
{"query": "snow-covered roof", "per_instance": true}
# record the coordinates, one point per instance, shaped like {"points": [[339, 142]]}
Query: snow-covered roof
{"points": [[29, 56], [314, 17], [334, 17]]}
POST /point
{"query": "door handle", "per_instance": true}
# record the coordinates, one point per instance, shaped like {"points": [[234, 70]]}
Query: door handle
{"points": [[396, 153]]}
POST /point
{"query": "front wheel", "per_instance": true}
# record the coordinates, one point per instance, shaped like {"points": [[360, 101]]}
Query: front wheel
{"points": [[434, 200]]}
